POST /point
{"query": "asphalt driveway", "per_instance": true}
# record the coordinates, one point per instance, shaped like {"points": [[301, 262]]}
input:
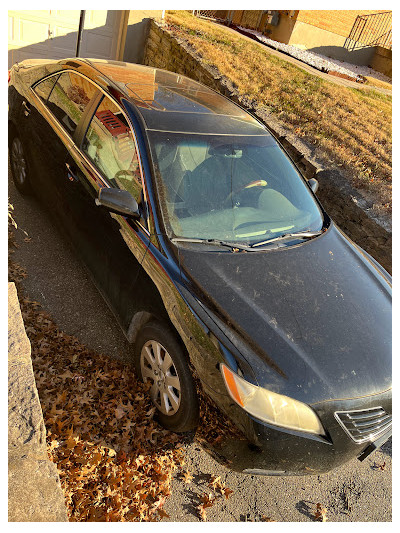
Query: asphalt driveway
{"points": [[356, 492]]}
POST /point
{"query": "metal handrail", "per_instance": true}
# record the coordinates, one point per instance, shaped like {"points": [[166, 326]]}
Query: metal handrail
{"points": [[374, 29]]}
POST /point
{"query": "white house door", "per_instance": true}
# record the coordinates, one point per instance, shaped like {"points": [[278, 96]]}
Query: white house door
{"points": [[52, 34]]}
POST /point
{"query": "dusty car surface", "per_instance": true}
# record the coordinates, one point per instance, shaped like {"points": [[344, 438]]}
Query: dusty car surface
{"points": [[215, 256]]}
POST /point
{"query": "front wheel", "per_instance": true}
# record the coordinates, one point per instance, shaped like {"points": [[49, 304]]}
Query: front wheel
{"points": [[160, 360], [19, 166]]}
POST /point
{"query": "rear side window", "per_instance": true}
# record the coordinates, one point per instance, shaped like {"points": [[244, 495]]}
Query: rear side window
{"points": [[69, 98], [109, 143], [43, 89]]}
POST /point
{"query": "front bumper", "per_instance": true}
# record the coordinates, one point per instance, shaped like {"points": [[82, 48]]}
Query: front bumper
{"points": [[269, 450]]}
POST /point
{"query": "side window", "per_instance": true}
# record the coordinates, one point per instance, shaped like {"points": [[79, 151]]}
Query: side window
{"points": [[69, 98], [43, 89], [110, 145]]}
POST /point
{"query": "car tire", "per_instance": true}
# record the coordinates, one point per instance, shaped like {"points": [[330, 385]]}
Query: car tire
{"points": [[160, 359], [19, 165]]}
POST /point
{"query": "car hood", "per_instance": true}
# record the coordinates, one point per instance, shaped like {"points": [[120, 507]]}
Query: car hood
{"points": [[317, 315]]}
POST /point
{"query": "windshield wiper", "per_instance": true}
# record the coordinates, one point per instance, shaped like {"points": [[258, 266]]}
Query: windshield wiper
{"points": [[298, 234], [216, 242], [236, 246]]}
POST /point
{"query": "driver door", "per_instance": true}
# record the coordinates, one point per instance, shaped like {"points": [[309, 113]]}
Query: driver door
{"points": [[112, 246]]}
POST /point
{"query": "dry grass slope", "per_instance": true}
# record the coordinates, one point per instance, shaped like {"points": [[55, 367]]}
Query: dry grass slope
{"points": [[351, 127]]}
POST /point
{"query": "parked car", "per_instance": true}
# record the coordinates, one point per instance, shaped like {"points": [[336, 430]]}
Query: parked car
{"points": [[216, 257]]}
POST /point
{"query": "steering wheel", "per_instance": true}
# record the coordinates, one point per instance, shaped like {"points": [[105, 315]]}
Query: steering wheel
{"points": [[252, 184]]}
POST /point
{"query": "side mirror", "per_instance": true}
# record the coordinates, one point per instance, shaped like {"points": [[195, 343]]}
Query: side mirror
{"points": [[313, 183], [118, 201]]}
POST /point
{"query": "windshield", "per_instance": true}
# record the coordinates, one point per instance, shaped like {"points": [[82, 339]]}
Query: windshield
{"points": [[236, 188]]}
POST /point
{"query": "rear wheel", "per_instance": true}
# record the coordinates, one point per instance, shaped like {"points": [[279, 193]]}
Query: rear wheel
{"points": [[160, 360], [19, 166]]}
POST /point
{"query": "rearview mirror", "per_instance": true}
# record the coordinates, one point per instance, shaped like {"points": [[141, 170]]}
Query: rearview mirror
{"points": [[313, 183], [118, 201]]}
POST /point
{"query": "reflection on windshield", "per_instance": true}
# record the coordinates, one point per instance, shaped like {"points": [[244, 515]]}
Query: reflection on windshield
{"points": [[236, 188]]}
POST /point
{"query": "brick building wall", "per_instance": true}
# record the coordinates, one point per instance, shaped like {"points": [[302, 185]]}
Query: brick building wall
{"points": [[335, 21], [339, 22]]}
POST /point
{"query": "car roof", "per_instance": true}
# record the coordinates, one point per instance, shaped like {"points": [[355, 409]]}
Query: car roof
{"points": [[171, 102]]}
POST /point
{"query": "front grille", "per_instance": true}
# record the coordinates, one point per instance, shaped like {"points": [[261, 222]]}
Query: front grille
{"points": [[366, 424]]}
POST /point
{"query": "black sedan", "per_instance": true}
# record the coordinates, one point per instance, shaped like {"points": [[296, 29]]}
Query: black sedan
{"points": [[215, 256]]}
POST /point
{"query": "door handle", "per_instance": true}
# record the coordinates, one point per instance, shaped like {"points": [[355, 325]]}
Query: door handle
{"points": [[27, 108], [71, 175]]}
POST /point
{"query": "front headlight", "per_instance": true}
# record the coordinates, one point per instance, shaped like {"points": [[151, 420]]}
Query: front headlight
{"points": [[271, 407]]}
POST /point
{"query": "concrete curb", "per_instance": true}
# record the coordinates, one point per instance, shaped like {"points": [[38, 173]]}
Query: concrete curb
{"points": [[34, 489]]}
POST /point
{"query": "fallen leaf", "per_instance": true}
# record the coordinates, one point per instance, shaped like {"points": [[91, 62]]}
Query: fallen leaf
{"points": [[187, 477], [71, 442], [226, 492], [207, 499], [202, 512], [380, 467], [162, 513], [119, 412], [215, 482], [53, 445], [65, 375], [320, 513]]}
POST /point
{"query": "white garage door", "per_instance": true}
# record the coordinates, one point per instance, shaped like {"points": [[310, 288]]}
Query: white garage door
{"points": [[101, 34], [53, 33]]}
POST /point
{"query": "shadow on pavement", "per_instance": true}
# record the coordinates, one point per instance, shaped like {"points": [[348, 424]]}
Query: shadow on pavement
{"points": [[387, 448], [305, 509]]}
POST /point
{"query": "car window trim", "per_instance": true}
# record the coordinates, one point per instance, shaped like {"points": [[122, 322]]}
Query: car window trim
{"points": [[72, 141], [115, 102], [52, 75], [86, 118], [45, 102]]}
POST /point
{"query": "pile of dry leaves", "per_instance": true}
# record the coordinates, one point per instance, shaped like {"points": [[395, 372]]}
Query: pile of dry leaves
{"points": [[115, 462]]}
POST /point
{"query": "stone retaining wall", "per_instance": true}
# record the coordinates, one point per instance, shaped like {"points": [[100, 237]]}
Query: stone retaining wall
{"points": [[34, 490], [347, 207]]}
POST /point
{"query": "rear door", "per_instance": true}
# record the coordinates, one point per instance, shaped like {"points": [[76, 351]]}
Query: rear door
{"points": [[52, 128]]}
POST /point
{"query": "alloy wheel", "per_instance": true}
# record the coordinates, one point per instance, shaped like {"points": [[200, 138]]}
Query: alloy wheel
{"points": [[157, 366], [18, 161]]}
